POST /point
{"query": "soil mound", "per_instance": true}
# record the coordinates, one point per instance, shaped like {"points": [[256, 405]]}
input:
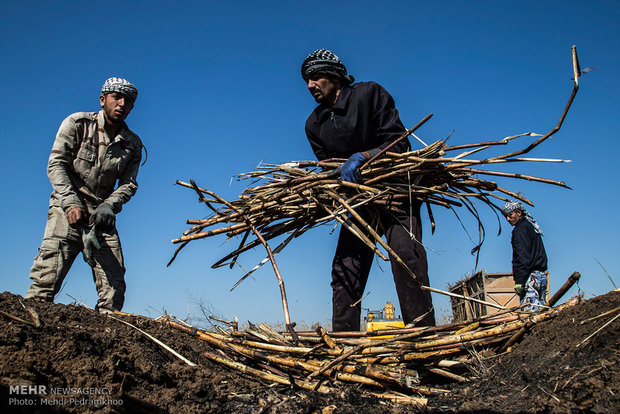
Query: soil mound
{"points": [[558, 367], [82, 361]]}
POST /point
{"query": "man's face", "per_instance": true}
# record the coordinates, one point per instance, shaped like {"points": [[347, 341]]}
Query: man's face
{"points": [[116, 107], [513, 217], [323, 89]]}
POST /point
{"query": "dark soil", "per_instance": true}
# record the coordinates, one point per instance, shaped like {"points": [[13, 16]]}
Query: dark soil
{"points": [[82, 361], [551, 369]]}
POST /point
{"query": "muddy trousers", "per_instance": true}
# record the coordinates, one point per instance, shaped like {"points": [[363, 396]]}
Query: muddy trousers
{"points": [[353, 260], [535, 292], [61, 245]]}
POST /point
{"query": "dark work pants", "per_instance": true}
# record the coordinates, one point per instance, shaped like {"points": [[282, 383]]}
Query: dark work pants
{"points": [[353, 260]]}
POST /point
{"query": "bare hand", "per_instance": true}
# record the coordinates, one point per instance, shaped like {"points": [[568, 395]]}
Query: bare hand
{"points": [[76, 216]]}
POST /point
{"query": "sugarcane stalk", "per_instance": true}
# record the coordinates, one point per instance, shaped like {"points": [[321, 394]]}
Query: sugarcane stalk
{"points": [[576, 74], [481, 144], [328, 340], [397, 140], [519, 176], [448, 374], [471, 336], [349, 374], [349, 225], [266, 376], [373, 233], [409, 356], [602, 315], [277, 250], [157, 341], [393, 254], [210, 233], [418, 402], [609, 322], [287, 317]]}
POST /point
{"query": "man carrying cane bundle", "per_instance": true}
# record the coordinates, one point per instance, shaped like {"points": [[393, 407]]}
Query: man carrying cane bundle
{"points": [[356, 121]]}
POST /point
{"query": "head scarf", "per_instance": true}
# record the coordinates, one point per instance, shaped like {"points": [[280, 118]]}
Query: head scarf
{"points": [[511, 206], [121, 86], [325, 61]]}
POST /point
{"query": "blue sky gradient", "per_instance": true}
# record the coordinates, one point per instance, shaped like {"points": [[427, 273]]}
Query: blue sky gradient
{"points": [[220, 91]]}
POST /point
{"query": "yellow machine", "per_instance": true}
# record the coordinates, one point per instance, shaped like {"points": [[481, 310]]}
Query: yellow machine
{"points": [[383, 319]]}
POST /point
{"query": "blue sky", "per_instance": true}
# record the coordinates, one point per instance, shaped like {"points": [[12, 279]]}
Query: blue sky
{"points": [[220, 91]]}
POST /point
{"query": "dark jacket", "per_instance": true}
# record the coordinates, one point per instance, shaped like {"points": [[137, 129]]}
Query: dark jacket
{"points": [[528, 251], [364, 118]]}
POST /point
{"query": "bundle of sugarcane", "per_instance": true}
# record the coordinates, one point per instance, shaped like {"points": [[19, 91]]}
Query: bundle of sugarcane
{"points": [[294, 197], [404, 365], [297, 196]]}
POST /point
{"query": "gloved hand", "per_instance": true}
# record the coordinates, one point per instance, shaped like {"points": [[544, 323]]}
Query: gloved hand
{"points": [[350, 169], [519, 289], [103, 217], [91, 243]]}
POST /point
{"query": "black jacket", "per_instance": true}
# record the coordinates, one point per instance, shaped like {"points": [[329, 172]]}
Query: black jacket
{"points": [[363, 118], [528, 251]]}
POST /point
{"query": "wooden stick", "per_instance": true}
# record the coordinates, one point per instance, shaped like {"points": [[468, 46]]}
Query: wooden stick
{"points": [[598, 330], [157, 341], [602, 315], [573, 278], [15, 318]]}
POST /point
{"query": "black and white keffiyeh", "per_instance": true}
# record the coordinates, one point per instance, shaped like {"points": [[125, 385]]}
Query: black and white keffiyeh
{"points": [[120, 85], [325, 61], [511, 206]]}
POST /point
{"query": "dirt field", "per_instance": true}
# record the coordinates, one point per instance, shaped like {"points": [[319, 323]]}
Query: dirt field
{"points": [[81, 361]]}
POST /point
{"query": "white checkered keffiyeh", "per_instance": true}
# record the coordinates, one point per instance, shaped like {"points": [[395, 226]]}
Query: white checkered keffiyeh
{"points": [[120, 85], [511, 206]]}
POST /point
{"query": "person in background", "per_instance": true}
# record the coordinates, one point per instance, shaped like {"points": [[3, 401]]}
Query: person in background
{"points": [[529, 259], [356, 121], [93, 168]]}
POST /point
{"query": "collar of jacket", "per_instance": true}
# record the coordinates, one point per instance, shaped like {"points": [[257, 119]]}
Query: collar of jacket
{"points": [[343, 98], [123, 132], [341, 104]]}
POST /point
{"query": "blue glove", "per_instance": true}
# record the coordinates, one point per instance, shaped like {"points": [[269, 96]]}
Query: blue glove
{"points": [[103, 217], [350, 169]]}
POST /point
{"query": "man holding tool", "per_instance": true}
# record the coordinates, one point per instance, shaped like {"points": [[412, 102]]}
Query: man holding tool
{"points": [[357, 121], [93, 168]]}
